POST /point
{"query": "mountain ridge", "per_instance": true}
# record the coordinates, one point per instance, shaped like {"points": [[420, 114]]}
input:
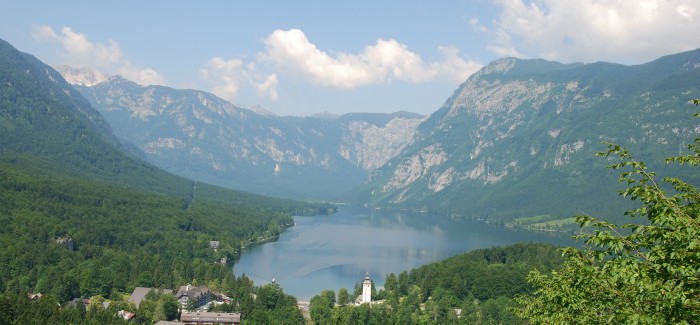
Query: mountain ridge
{"points": [[517, 127], [196, 134], [44, 119], [518, 138]]}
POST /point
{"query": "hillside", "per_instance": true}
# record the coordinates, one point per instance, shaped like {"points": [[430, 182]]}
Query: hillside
{"points": [[82, 218], [518, 138], [198, 135], [479, 286]]}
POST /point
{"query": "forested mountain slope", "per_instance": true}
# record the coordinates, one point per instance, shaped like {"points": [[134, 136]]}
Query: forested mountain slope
{"points": [[519, 137], [82, 218]]}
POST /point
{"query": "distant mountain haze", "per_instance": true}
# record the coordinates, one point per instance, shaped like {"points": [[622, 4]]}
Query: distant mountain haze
{"points": [[196, 134], [518, 138]]}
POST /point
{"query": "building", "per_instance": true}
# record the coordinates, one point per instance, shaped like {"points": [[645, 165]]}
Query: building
{"points": [[202, 318], [200, 295], [367, 290], [366, 297]]}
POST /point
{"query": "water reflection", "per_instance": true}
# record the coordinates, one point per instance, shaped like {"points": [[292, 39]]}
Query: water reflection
{"points": [[336, 251]]}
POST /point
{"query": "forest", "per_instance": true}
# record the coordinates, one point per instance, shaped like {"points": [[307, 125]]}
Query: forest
{"points": [[119, 238], [479, 286]]}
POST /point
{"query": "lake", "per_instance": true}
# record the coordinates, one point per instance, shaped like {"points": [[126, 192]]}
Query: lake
{"points": [[333, 252]]}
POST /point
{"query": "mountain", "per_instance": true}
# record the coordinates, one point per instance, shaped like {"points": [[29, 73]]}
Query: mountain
{"points": [[43, 116], [82, 217], [80, 76], [49, 128], [198, 135], [519, 138], [50, 131]]}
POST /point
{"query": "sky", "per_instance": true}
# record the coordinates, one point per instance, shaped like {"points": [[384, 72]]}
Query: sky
{"points": [[309, 57]]}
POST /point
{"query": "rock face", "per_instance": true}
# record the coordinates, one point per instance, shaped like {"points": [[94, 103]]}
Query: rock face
{"points": [[198, 135], [519, 137], [80, 76]]}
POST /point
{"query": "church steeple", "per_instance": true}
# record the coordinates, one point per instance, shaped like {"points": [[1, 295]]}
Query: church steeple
{"points": [[367, 290]]}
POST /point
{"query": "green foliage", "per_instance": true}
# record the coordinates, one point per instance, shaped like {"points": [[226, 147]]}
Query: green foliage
{"points": [[644, 272], [484, 273], [343, 297], [273, 306]]}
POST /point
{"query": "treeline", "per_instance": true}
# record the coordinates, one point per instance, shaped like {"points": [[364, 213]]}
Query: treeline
{"points": [[473, 288], [292, 207]]}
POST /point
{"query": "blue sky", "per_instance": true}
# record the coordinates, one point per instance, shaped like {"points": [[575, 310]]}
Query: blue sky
{"points": [[306, 57]]}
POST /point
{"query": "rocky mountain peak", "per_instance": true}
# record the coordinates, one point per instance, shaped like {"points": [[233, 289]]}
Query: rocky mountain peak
{"points": [[84, 76], [498, 66], [519, 137]]}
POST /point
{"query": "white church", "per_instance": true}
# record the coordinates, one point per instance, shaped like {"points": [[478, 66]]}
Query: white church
{"points": [[366, 297]]}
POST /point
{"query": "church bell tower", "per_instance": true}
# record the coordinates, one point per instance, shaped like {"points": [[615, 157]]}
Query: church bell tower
{"points": [[367, 290]]}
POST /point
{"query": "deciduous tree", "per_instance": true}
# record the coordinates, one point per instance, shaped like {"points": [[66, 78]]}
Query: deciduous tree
{"points": [[643, 272]]}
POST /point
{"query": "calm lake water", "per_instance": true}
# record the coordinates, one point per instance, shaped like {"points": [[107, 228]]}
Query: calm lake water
{"points": [[333, 252]]}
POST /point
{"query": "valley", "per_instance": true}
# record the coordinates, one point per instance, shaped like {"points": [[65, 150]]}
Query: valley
{"points": [[116, 186], [198, 135], [517, 139]]}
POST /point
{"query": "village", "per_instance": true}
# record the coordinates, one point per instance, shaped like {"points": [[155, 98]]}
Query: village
{"points": [[193, 304]]}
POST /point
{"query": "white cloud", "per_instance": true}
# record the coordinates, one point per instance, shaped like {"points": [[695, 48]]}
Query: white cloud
{"points": [[380, 63], [79, 51], [226, 75], [44, 33], [474, 23], [268, 88], [628, 31], [453, 67]]}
